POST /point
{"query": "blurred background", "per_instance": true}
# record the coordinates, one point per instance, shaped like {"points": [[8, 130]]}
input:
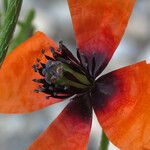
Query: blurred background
{"points": [[53, 18]]}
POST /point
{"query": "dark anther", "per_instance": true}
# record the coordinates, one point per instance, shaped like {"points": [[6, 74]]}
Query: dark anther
{"points": [[38, 60], [37, 65], [48, 58], [42, 64], [36, 91], [35, 68], [39, 80], [52, 49], [34, 80], [40, 71], [41, 88], [43, 51]]}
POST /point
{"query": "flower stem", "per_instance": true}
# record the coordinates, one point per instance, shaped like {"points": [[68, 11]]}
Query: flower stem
{"points": [[8, 26], [104, 142]]}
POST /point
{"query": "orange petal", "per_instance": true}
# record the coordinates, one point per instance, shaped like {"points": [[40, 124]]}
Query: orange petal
{"points": [[125, 117], [99, 26], [70, 130], [16, 74]]}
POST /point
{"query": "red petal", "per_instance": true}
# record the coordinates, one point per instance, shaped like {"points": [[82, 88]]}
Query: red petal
{"points": [[99, 26], [70, 131], [16, 74], [125, 114]]}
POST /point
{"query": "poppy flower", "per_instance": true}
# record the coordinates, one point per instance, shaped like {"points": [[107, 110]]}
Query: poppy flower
{"points": [[39, 73]]}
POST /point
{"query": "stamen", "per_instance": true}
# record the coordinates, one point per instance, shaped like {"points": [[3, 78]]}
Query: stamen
{"points": [[36, 91], [35, 68], [43, 51], [38, 60], [67, 54], [38, 80], [42, 64], [52, 50], [63, 75], [48, 58], [43, 71]]}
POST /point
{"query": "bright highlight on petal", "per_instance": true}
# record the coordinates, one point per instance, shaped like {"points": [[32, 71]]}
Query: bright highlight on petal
{"points": [[126, 115], [16, 86], [70, 130], [99, 26]]}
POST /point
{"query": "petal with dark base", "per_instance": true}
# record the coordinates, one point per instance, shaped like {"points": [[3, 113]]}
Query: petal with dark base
{"points": [[123, 107], [16, 86], [70, 130], [99, 26]]}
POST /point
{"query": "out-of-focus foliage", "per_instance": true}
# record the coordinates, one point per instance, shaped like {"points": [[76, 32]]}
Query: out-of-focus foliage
{"points": [[26, 29], [9, 19]]}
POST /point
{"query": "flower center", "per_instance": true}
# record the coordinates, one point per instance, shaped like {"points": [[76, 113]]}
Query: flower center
{"points": [[63, 75]]}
